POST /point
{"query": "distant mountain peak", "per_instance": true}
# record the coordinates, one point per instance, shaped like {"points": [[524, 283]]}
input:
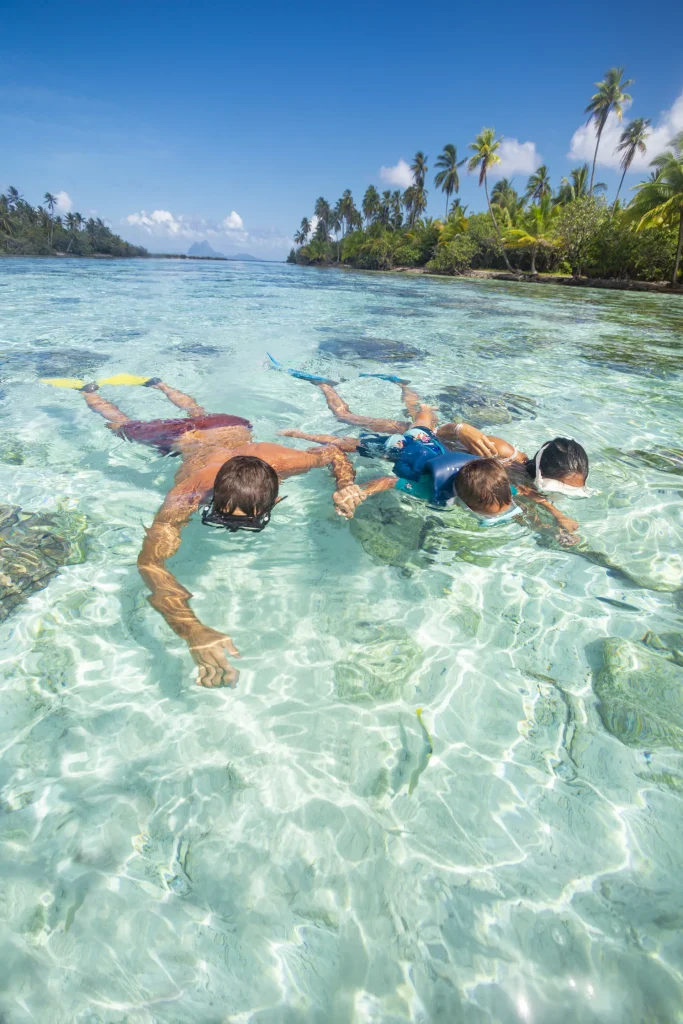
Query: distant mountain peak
{"points": [[203, 249]]}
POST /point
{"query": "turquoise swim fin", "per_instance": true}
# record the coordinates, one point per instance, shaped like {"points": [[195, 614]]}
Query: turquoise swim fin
{"points": [[301, 374], [386, 376]]}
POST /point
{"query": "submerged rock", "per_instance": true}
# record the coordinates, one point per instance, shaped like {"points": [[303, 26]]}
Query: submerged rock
{"points": [[378, 350], [196, 348], [483, 408], [636, 356], [640, 693], [33, 546], [61, 362]]}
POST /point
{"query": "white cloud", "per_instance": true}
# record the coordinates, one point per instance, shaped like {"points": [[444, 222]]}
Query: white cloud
{"points": [[516, 158], [164, 224], [669, 123], [64, 202], [233, 223], [400, 174]]}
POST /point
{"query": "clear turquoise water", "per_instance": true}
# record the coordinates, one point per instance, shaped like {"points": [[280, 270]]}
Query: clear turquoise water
{"points": [[288, 852]]}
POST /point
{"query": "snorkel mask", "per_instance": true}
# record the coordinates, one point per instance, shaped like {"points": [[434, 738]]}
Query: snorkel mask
{"points": [[484, 520], [231, 522], [548, 484]]}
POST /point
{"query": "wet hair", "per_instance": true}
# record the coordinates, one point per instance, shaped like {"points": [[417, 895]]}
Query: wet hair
{"points": [[245, 483], [562, 457], [482, 483]]}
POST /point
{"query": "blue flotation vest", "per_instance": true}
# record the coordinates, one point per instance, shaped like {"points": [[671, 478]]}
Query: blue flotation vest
{"points": [[429, 459]]}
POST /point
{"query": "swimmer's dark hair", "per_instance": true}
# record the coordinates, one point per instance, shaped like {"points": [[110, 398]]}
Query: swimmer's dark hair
{"points": [[245, 483], [562, 457], [483, 482]]}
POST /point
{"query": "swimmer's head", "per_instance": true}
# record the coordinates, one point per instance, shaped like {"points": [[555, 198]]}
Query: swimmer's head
{"points": [[483, 486], [245, 488], [561, 461]]}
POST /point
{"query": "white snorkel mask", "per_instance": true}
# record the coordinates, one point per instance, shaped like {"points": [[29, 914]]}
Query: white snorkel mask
{"points": [[548, 484], [497, 520]]}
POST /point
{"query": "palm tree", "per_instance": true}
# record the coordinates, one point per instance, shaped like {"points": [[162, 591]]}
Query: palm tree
{"points": [[417, 193], [322, 211], [485, 156], [538, 185], [6, 222], [336, 224], [384, 212], [632, 141], [660, 202], [51, 202], [457, 208], [447, 179], [79, 221], [610, 97], [396, 209], [371, 204], [419, 168], [537, 230], [576, 186], [14, 197]]}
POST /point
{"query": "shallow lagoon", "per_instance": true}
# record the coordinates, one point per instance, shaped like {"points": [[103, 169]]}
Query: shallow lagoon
{"points": [[289, 851]]}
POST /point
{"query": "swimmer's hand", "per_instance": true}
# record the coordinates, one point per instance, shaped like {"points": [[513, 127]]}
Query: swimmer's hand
{"points": [[208, 647], [347, 499], [476, 442]]}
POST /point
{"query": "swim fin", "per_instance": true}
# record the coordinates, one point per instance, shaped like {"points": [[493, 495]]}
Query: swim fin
{"points": [[124, 378], [301, 374], [386, 376], [63, 382]]}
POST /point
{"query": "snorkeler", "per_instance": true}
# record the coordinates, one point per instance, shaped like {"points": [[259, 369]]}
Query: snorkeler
{"points": [[564, 462], [233, 477]]}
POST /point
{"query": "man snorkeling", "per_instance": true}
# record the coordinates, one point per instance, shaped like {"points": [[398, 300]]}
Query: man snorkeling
{"points": [[234, 478]]}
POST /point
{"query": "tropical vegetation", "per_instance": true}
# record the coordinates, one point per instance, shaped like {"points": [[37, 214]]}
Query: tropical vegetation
{"points": [[568, 228], [26, 230]]}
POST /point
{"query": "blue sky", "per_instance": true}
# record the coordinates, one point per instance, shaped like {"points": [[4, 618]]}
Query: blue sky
{"points": [[177, 121]]}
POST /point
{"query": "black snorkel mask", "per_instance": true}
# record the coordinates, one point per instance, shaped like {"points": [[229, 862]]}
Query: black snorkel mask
{"points": [[233, 523]]}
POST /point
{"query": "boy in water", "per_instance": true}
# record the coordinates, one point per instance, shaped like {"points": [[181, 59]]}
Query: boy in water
{"points": [[237, 478]]}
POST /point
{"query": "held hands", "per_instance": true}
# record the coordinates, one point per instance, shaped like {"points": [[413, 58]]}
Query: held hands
{"points": [[208, 647], [476, 442], [347, 499]]}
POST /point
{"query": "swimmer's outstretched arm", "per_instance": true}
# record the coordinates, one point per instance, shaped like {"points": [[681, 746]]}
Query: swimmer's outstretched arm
{"points": [[566, 523], [479, 443], [346, 444], [207, 646]]}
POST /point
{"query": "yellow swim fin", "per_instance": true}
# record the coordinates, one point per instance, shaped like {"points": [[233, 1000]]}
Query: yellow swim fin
{"points": [[124, 378], [63, 382]]}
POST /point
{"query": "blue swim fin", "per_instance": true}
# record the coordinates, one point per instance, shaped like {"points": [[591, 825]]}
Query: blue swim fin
{"points": [[386, 376], [301, 374]]}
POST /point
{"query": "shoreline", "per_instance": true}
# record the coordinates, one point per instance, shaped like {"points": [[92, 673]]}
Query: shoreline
{"points": [[609, 284]]}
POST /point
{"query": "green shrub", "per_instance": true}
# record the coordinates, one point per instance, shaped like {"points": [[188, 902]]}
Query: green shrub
{"points": [[408, 256], [454, 257]]}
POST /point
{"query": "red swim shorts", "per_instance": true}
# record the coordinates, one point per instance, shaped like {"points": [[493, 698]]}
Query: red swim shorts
{"points": [[162, 433]]}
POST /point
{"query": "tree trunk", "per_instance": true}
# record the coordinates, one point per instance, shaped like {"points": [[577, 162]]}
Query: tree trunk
{"points": [[495, 224], [678, 250], [447, 199], [533, 261], [595, 157], [616, 198]]}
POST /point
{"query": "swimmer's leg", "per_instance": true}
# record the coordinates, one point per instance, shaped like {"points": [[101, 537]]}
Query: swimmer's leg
{"points": [[182, 401], [347, 444], [421, 415], [100, 405], [338, 406]]}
